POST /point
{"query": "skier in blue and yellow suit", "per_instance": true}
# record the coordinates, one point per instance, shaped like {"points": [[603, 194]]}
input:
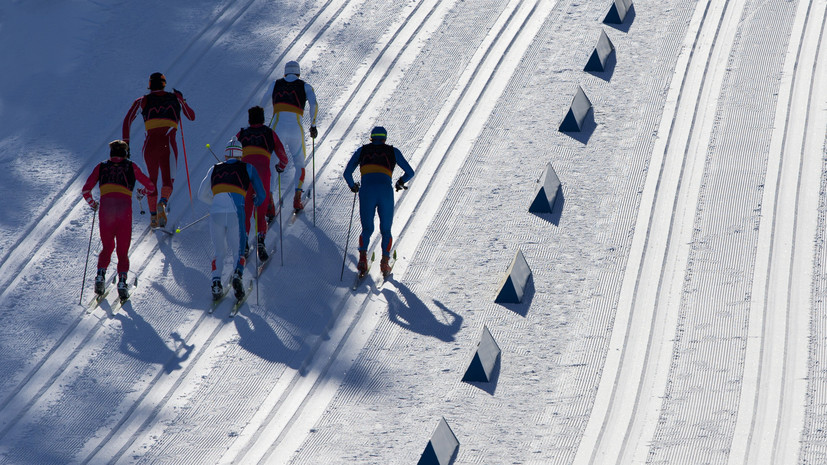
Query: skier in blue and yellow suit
{"points": [[376, 162]]}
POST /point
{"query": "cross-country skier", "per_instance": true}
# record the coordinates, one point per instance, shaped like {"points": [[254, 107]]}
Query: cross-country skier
{"points": [[376, 162], [258, 142], [161, 111], [289, 96], [117, 178], [224, 189]]}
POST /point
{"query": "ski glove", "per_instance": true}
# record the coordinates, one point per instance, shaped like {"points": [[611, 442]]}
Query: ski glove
{"points": [[280, 168], [400, 184], [355, 187], [313, 132], [179, 94], [92, 204]]}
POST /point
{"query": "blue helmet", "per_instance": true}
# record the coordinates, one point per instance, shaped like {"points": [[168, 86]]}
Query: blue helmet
{"points": [[378, 133]]}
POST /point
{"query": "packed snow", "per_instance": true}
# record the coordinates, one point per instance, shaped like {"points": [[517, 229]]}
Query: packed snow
{"points": [[675, 311]]}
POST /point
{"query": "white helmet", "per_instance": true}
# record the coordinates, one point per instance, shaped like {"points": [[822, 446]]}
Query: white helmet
{"points": [[292, 67], [233, 149]]}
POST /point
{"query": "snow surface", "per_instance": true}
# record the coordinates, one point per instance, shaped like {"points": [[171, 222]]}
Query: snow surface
{"points": [[676, 310]]}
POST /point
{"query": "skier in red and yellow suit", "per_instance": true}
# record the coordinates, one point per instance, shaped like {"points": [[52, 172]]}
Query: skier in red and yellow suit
{"points": [[161, 112], [258, 142], [117, 178]]}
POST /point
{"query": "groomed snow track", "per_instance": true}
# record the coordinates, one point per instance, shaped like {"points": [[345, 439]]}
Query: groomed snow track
{"points": [[675, 365]]}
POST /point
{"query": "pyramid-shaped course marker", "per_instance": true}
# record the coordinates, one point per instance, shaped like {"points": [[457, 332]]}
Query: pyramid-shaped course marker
{"points": [[547, 192], [604, 48], [617, 12], [484, 359], [512, 287], [579, 108], [442, 447]]}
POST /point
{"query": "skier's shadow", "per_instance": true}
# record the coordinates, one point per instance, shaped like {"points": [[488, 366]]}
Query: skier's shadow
{"points": [[411, 313], [259, 338], [141, 341]]}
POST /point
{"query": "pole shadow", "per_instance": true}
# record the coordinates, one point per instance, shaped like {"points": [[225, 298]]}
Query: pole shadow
{"points": [[259, 338], [410, 313], [142, 342]]}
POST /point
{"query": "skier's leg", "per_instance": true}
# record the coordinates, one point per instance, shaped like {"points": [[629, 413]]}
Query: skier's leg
{"points": [[367, 210], [106, 227], [261, 210], [218, 236], [166, 163], [385, 208], [123, 235], [152, 165], [241, 237]]}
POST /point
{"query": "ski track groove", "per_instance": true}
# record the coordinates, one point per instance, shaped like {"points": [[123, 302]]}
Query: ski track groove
{"points": [[769, 403], [636, 368], [138, 254], [141, 430], [706, 329], [222, 330], [318, 385]]}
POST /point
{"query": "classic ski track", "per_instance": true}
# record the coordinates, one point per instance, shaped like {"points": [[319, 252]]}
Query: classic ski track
{"points": [[522, 19], [133, 433], [52, 366], [637, 362], [770, 420], [45, 226]]}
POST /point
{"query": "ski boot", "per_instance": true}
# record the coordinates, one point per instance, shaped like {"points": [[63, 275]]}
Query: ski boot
{"points": [[297, 201], [162, 213], [217, 289], [153, 221], [262, 249], [238, 285], [123, 290], [384, 266], [271, 211], [362, 266], [100, 281]]}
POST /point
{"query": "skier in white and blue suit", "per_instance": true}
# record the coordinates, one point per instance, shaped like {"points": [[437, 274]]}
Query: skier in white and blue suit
{"points": [[376, 162], [224, 190]]}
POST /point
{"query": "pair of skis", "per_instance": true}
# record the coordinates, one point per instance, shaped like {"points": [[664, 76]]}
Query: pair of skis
{"points": [[97, 299], [385, 276], [238, 303]]}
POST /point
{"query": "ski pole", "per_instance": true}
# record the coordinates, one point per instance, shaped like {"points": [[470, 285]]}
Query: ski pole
{"points": [[314, 181], [255, 219], [208, 148], [141, 203], [186, 165], [347, 239], [177, 230], [88, 250], [281, 240]]}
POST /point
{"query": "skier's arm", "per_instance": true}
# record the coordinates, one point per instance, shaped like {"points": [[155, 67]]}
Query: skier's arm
{"points": [[143, 179], [86, 191], [351, 167], [269, 98], [130, 117], [406, 167], [311, 101], [205, 190], [188, 112], [258, 186]]}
